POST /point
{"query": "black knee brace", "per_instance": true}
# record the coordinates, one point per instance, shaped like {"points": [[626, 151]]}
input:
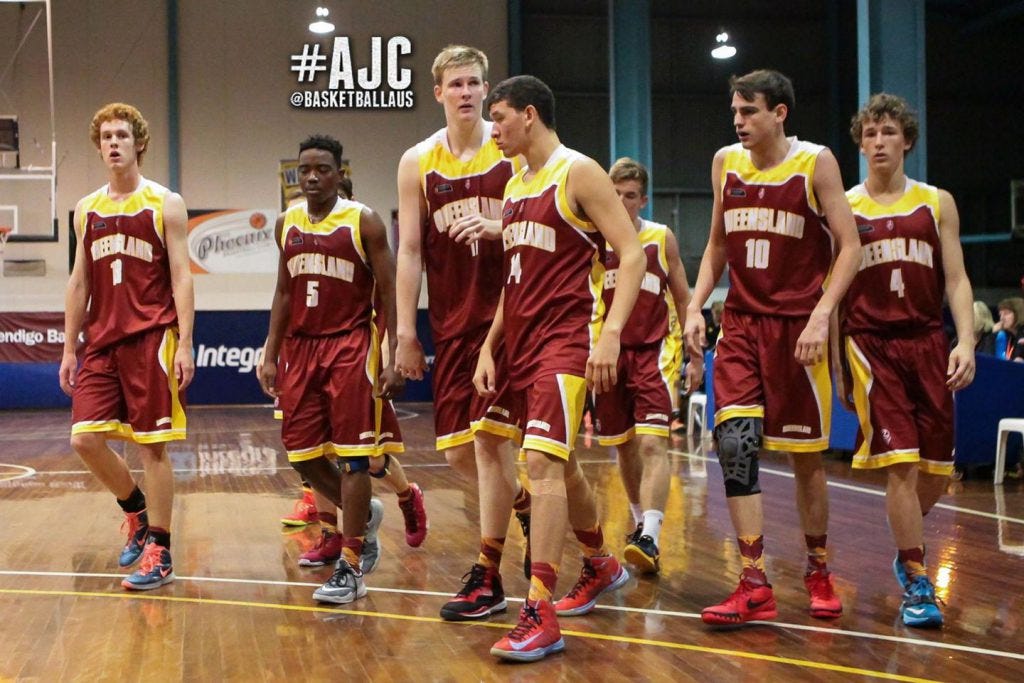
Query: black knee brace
{"points": [[383, 471], [739, 440]]}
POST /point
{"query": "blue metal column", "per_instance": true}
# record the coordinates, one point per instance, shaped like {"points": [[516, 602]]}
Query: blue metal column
{"points": [[629, 39], [173, 101], [515, 38], [891, 58]]}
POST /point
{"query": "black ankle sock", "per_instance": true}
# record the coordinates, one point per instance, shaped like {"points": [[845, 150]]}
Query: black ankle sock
{"points": [[160, 537], [135, 502]]}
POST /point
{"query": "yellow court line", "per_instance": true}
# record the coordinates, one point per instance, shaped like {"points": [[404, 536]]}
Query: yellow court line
{"points": [[436, 620]]}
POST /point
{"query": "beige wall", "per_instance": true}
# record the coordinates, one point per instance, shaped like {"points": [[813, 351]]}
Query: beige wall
{"points": [[235, 118]]}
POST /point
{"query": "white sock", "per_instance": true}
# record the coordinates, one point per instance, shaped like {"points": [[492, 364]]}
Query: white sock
{"points": [[652, 523], [638, 514]]}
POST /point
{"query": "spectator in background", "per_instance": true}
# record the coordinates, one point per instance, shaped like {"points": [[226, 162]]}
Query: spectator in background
{"points": [[715, 324], [1011, 315], [984, 337]]}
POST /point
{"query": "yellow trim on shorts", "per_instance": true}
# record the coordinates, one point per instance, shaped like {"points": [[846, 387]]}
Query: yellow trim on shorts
{"points": [[304, 454], [532, 442], [731, 412], [794, 445], [617, 439], [943, 468], [821, 383], [443, 443], [96, 426], [863, 378], [866, 461], [504, 430], [389, 448], [652, 430], [168, 347], [278, 414]]}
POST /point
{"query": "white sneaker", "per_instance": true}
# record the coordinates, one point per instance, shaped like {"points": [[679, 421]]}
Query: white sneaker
{"points": [[344, 586], [370, 558]]}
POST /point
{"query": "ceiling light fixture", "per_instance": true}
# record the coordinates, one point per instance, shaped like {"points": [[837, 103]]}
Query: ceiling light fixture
{"points": [[723, 49], [322, 24]]}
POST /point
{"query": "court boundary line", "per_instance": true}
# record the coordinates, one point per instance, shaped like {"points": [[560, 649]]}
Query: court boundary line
{"points": [[970, 649], [802, 663], [25, 474]]}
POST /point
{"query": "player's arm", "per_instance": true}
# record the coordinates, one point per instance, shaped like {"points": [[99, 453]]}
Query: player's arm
{"points": [[76, 299], [375, 243], [176, 237], [960, 370], [589, 188], [680, 289], [712, 264], [267, 370], [412, 211], [828, 188], [484, 377]]}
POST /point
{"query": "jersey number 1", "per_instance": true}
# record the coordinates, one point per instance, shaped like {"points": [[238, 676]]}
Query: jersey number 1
{"points": [[115, 271]]}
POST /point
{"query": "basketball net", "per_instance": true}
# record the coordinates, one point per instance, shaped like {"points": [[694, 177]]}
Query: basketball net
{"points": [[5, 230]]}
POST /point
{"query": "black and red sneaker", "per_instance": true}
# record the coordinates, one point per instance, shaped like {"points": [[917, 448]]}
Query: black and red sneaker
{"points": [[481, 596]]}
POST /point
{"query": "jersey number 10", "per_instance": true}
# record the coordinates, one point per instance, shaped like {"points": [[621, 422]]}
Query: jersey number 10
{"points": [[757, 253]]}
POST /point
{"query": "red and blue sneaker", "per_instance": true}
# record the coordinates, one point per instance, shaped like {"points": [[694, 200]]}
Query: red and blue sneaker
{"points": [[154, 571], [136, 525]]}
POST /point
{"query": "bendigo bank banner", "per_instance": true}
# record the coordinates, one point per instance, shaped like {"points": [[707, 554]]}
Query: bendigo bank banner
{"points": [[31, 337]]}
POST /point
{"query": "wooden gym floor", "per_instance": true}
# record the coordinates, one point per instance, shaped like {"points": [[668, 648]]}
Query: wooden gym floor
{"points": [[241, 608]]}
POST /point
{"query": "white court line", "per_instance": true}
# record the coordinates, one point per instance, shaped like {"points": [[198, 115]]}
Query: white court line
{"points": [[25, 472], [864, 489], [613, 608]]}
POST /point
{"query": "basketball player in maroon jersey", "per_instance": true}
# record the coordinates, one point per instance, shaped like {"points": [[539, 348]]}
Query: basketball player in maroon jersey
{"points": [[903, 375], [778, 208], [131, 288], [634, 416], [558, 213], [449, 199], [334, 398]]}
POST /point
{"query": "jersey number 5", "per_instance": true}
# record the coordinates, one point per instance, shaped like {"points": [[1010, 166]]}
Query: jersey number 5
{"points": [[312, 293]]}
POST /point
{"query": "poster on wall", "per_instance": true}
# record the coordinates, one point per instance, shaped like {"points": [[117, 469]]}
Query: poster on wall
{"points": [[232, 241]]}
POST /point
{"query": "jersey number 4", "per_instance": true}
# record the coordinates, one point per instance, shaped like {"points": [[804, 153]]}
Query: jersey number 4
{"points": [[896, 282], [515, 269]]}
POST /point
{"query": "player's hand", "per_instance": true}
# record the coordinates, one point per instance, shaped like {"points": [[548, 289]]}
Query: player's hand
{"points": [[601, 372], [812, 345], [267, 374], [392, 384], [469, 229], [68, 373], [410, 362], [184, 366], [695, 333], [693, 375], [484, 378], [961, 367]]}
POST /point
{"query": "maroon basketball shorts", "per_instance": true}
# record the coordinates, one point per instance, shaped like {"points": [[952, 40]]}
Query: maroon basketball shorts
{"points": [[903, 405], [756, 375], [129, 390], [550, 410], [328, 398], [641, 400], [459, 411]]}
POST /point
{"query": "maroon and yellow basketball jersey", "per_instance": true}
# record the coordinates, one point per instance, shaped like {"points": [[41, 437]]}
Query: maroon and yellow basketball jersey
{"points": [[648, 323], [331, 280], [553, 272], [463, 281], [900, 282], [778, 246], [129, 272]]}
